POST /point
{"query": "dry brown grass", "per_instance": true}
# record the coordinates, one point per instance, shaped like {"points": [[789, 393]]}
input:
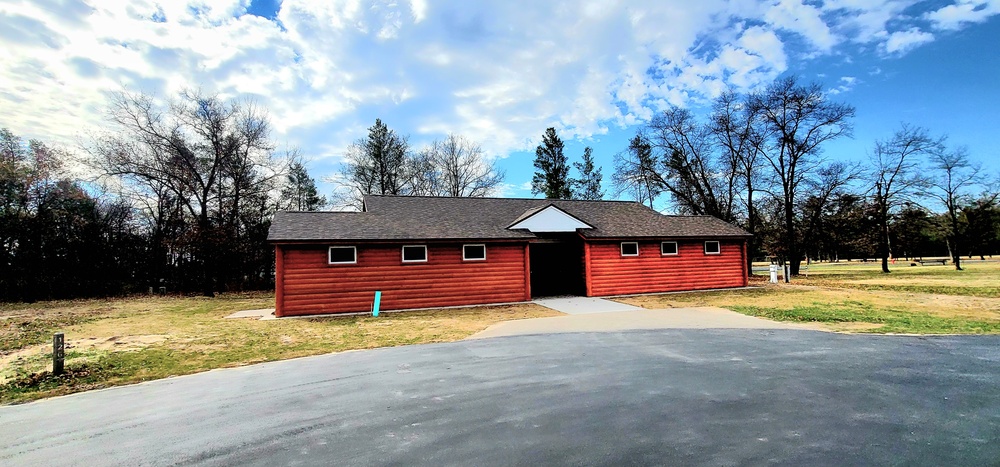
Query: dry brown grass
{"points": [[129, 340]]}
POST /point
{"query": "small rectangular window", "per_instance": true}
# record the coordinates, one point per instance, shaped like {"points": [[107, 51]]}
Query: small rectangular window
{"points": [[668, 248], [712, 248], [474, 252], [630, 249], [414, 253], [343, 255]]}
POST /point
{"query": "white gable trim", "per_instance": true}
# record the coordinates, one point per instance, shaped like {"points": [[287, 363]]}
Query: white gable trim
{"points": [[551, 219]]}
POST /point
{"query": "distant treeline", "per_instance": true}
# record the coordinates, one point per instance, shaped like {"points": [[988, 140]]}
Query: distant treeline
{"points": [[757, 160], [182, 193], [182, 199]]}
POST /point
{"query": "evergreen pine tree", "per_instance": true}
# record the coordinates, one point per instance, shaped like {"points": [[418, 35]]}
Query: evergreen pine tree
{"points": [[552, 177], [300, 193], [588, 186]]}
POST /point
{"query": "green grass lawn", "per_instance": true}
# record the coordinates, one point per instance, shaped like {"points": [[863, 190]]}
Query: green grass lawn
{"points": [[858, 297]]}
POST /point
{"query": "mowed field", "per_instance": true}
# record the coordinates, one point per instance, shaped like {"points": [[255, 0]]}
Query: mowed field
{"points": [[122, 341], [858, 297]]}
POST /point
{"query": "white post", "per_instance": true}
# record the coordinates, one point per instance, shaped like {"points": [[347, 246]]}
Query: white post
{"points": [[774, 273]]}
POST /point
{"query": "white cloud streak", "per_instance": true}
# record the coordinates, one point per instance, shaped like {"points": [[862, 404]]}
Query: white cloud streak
{"points": [[953, 17]]}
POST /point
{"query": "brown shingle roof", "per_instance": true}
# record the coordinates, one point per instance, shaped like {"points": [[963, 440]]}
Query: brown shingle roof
{"points": [[439, 218]]}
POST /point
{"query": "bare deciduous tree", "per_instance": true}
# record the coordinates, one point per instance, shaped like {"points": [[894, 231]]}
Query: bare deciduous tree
{"points": [[636, 172], [798, 120], [211, 156], [689, 172], [460, 168], [829, 184], [383, 164], [737, 130], [954, 175], [896, 177]]}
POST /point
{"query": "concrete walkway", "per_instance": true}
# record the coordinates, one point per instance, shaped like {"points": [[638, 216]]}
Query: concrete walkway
{"points": [[669, 318], [261, 314], [583, 305]]}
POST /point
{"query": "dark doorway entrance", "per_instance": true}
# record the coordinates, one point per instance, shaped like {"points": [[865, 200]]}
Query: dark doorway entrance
{"points": [[557, 266]]}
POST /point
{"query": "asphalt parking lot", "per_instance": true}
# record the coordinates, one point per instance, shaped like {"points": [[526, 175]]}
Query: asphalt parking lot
{"points": [[649, 397]]}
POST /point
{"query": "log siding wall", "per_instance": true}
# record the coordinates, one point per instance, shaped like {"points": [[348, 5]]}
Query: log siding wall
{"points": [[307, 284], [610, 273]]}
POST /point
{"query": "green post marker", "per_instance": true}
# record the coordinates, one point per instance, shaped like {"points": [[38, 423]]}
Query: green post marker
{"points": [[375, 304]]}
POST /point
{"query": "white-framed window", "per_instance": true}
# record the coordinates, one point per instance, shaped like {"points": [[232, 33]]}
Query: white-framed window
{"points": [[668, 248], [342, 255], [712, 248], [414, 253], [474, 252], [630, 249]]}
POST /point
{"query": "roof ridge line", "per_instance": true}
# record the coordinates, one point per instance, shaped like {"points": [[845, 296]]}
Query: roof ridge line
{"points": [[504, 198]]}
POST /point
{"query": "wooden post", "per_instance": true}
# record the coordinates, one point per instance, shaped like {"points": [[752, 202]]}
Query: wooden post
{"points": [[58, 353]]}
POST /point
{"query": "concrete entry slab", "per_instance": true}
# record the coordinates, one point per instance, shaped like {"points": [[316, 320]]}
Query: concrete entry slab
{"points": [[584, 305], [669, 318], [262, 314]]}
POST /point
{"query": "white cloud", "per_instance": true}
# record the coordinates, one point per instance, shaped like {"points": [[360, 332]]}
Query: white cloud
{"points": [[507, 190], [803, 19], [860, 20], [499, 73], [953, 17], [419, 10], [845, 84], [904, 41]]}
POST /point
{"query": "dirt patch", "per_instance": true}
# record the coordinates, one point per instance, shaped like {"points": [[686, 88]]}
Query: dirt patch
{"points": [[9, 362], [851, 327], [86, 345], [116, 343]]}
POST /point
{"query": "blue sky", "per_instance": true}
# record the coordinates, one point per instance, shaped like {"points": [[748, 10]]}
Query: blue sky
{"points": [[501, 72]]}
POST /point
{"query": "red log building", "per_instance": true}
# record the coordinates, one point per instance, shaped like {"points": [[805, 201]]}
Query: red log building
{"points": [[431, 252]]}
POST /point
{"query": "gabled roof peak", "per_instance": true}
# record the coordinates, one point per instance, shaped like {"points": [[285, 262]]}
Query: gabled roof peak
{"points": [[548, 218]]}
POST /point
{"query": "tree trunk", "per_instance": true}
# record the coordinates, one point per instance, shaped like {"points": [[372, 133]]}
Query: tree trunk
{"points": [[794, 258], [751, 229], [207, 283], [956, 250], [884, 240]]}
